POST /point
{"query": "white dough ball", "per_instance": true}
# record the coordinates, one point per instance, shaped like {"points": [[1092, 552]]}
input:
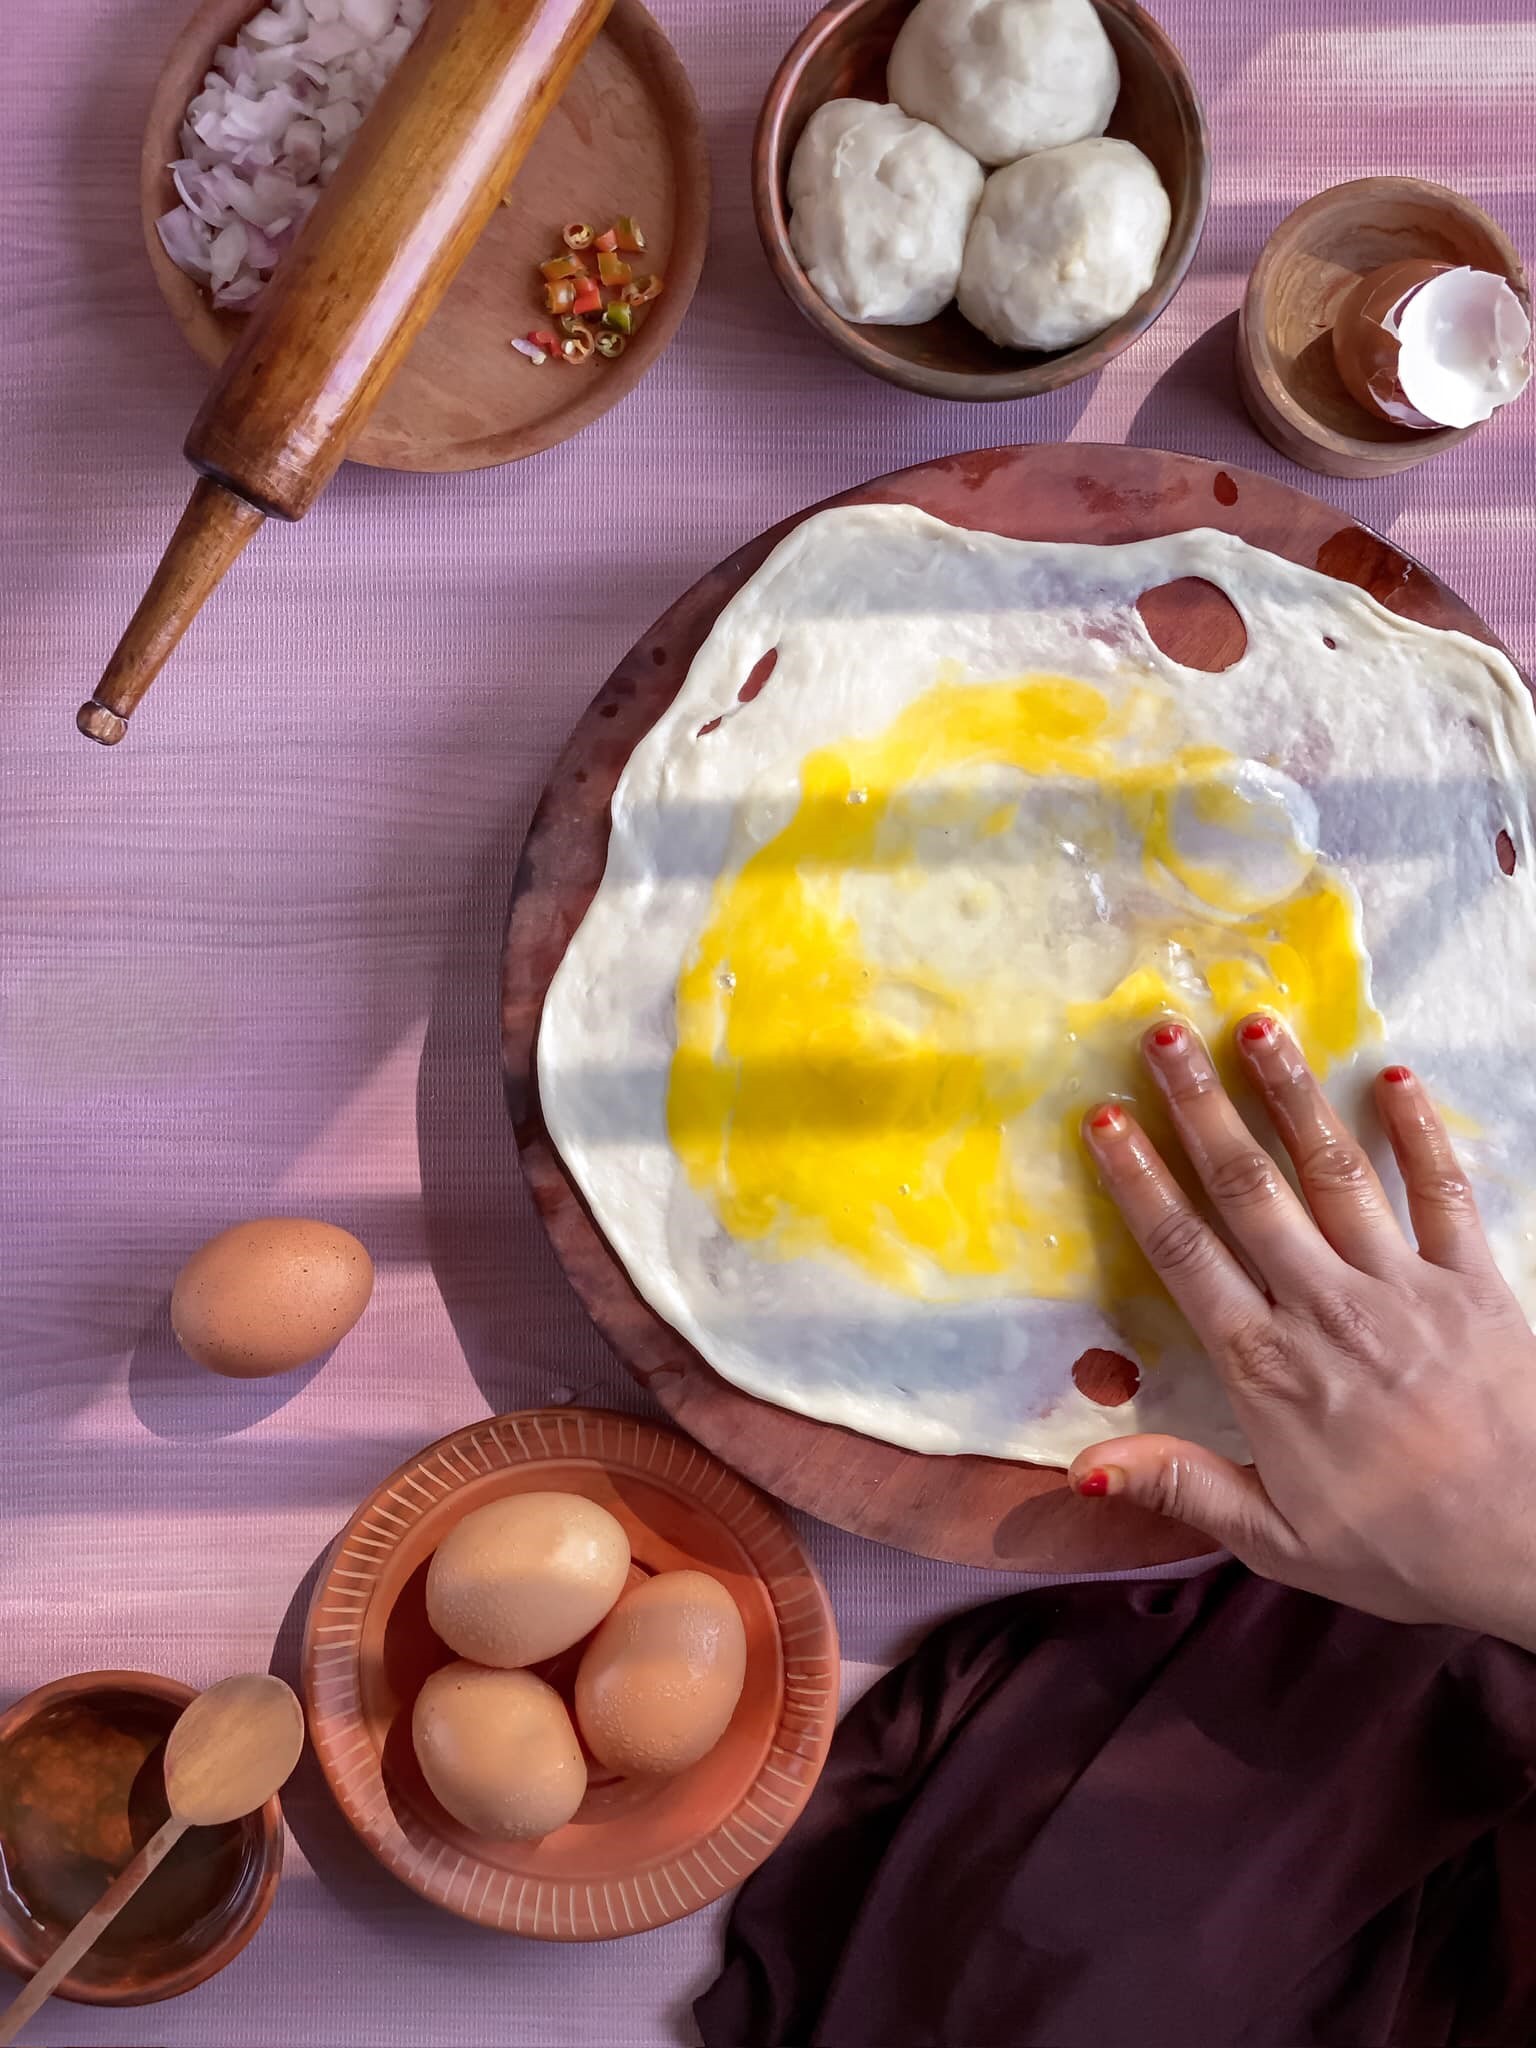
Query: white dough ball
{"points": [[880, 207], [1006, 77], [1063, 243]]}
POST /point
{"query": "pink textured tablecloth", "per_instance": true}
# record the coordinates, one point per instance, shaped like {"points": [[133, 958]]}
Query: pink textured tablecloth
{"points": [[249, 959]]}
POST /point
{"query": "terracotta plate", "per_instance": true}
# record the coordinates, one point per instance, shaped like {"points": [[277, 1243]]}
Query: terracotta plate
{"points": [[639, 1853], [625, 138], [975, 1511]]}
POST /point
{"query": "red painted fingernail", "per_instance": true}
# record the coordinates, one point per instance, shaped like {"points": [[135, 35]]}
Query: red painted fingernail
{"points": [[1093, 1485], [1168, 1034], [1258, 1031], [1400, 1075], [1107, 1118]]}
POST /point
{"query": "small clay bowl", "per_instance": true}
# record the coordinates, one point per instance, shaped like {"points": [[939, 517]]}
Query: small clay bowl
{"points": [[1311, 263], [624, 137], [843, 54], [640, 1852], [81, 1791]]}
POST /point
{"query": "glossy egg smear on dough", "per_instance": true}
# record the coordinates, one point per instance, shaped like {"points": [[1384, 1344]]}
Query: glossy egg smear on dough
{"points": [[901, 1005]]}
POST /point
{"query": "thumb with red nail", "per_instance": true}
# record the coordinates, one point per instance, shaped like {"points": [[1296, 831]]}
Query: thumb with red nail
{"points": [[1386, 1385]]}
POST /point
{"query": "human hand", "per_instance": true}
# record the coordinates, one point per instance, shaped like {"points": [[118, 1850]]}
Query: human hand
{"points": [[1388, 1392]]}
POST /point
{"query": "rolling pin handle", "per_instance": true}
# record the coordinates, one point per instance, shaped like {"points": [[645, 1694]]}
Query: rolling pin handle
{"points": [[210, 533], [421, 178]]}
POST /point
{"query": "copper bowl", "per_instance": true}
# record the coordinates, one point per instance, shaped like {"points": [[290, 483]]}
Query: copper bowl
{"points": [[95, 1742], [843, 54]]}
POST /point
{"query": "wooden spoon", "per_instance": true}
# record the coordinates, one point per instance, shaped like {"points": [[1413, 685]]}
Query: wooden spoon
{"points": [[233, 1747]]}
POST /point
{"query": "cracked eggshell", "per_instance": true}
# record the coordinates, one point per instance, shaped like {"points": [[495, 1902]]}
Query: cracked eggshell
{"points": [[1428, 345], [880, 205], [1006, 77]]}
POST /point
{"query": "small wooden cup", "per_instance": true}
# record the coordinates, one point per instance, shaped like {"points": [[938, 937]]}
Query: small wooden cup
{"points": [[843, 54], [1313, 260]]}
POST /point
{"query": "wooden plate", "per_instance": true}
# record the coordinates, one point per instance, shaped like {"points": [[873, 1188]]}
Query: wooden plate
{"points": [[625, 138], [975, 1511], [640, 1852]]}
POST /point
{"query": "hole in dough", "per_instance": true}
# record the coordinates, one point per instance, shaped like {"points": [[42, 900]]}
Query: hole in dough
{"points": [[762, 669], [1107, 1377], [1194, 623]]}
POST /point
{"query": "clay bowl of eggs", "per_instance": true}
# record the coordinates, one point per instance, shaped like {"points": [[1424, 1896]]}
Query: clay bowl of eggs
{"points": [[981, 199], [569, 1676]]}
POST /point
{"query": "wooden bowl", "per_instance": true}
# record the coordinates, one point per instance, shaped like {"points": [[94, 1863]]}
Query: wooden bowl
{"points": [[96, 1741], [1285, 367], [639, 1852], [967, 1510], [843, 54], [626, 137]]}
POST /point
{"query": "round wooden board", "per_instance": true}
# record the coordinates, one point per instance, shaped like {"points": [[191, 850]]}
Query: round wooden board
{"points": [[641, 1851], [625, 137], [972, 1511]]}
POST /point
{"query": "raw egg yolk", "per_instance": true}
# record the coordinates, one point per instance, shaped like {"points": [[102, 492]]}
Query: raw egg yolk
{"points": [[900, 1006]]}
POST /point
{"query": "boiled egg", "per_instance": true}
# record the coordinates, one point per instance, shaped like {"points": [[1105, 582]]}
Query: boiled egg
{"points": [[524, 1578], [266, 1296], [498, 1751], [661, 1678]]}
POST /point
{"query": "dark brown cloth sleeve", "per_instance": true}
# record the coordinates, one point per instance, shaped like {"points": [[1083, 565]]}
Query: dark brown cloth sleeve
{"points": [[1210, 1813]]}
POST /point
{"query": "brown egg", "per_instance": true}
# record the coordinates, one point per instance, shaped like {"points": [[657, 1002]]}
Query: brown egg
{"points": [[659, 1684], [267, 1296], [498, 1750], [524, 1578]]}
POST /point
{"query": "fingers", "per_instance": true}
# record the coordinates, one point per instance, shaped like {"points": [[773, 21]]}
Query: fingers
{"points": [[1192, 1485], [1251, 1195], [1444, 1215], [1337, 1178], [1216, 1295]]}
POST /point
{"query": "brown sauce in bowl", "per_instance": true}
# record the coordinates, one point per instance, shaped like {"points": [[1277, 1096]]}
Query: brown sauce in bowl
{"points": [[81, 1791]]}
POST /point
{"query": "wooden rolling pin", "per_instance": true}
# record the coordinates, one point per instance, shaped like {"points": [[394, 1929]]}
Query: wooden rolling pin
{"points": [[417, 185]]}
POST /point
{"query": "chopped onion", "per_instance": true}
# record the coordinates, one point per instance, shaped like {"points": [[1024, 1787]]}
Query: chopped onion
{"points": [[268, 129]]}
